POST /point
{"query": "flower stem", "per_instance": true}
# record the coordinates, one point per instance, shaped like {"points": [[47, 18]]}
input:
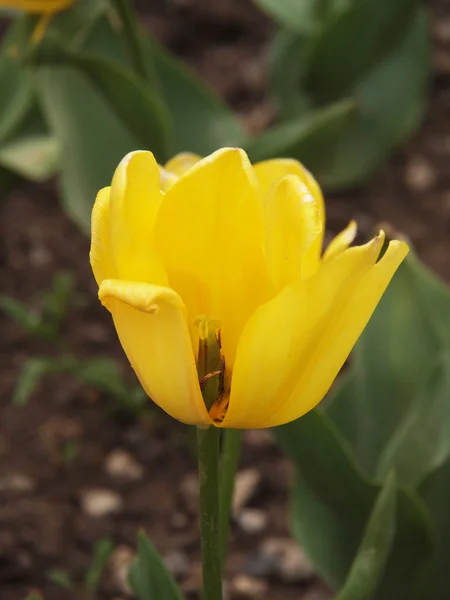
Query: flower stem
{"points": [[231, 452], [208, 475], [130, 27]]}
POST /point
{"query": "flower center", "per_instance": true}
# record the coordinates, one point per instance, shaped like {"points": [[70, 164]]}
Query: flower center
{"points": [[211, 364]]}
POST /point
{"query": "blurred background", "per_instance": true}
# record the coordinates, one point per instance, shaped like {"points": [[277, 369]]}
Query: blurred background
{"points": [[85, 459]]}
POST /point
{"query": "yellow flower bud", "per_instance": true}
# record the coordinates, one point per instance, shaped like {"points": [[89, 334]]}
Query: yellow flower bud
{"points": [[217, 250]]}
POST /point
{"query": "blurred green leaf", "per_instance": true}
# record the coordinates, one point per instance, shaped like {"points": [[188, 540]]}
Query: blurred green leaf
{"points": [[29, 319], [34, 597], [17, 91], [436, 490], [93, 139], [372, 556], [302, 17], [61, 578], [148, 577], [29, 150], [392, 358], [55, 301], [73, 25], [354, 43], [288, 61], [102, 373], [332, 502], [421, 443], [34, 157], [390, 101], [201, 122], [305, 16], [102, 551], [306, 138], [31, 372], [134, 102]]}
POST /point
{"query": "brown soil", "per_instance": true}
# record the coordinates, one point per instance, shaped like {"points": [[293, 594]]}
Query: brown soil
{"points": [[42, 522]]}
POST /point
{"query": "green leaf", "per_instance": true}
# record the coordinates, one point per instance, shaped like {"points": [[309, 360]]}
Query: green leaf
{"points": [[73, 25], [435, 491], [305, 17], [306, 138], [288, 62], [34, 597], [17, 91], [92, 138], [390, 100], [31, 372], [201, 122], [421, 443], [29, 150], [332, 503], [102, 552], [55, 301], [302, 17], [149, 578], [61, 578], [392, 358], [132, 100], [372, 556], [28, 319], [102, 373], [374, 29]]}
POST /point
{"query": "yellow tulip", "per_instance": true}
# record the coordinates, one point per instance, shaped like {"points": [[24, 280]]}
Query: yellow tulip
{"points": [[45, 8], [213, 269], [37, 6]]}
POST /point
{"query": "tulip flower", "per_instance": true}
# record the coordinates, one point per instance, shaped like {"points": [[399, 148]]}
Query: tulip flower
{"points": [[213, 272], [45, 8], [37, 6]]}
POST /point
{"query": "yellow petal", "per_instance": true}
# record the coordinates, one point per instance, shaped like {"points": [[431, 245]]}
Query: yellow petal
{"points": [[179, 164], [301, 334], [332, 350], [134, 203], [270, 171], [342, 241], [209, 235], [151, 325], [293, 222], [176, 167], [100, 253]]}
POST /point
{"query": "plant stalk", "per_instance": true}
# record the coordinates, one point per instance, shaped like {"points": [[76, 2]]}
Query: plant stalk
{"points": [[208, 475], [231, 451]]}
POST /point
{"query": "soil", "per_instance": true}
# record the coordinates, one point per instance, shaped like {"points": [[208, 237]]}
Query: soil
{"points": [[58, 446]]}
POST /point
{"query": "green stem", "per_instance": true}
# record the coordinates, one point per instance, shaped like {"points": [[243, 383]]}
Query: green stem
{"points": [[130, 27], [231, 452], [208, 475]]}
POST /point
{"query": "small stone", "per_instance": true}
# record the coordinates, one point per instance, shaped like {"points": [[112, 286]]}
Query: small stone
{"points": [[291, 563], [119, 565], [101, 502], [179, 520], [442, 30], [16, 482], [258, 438], [121, 465], [249, 586], [177, 563], [252, 520], [189, 489], [245, 486], [420, 175]]}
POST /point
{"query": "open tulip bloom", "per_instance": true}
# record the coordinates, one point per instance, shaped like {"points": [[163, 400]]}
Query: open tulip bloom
{"points": [[214, 274]]}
